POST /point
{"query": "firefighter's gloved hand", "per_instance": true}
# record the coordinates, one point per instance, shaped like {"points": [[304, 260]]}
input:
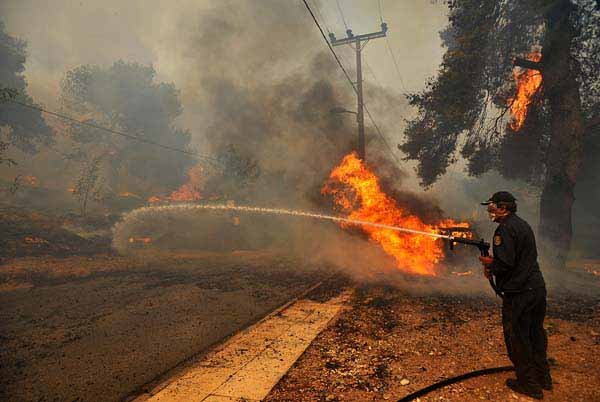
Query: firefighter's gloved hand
{"points": [[486, 261]]}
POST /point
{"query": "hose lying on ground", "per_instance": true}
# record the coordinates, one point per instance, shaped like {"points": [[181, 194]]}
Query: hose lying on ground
{"points": [[453, 380]]}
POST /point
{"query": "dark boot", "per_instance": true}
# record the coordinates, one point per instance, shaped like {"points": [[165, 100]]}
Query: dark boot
{"points": [[531, 390], [545, 381]]}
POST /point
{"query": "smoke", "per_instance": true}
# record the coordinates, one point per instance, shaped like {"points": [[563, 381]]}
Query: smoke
{"points": [[247, 43], [318, 241], [257, 85], [265, 107]]}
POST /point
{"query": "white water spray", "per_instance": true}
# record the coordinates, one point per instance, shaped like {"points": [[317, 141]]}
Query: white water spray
{"points": [[140, 212]]}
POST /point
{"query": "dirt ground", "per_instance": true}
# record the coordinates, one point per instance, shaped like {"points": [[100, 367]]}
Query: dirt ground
{"points": [[98, 328], [391, 343]]}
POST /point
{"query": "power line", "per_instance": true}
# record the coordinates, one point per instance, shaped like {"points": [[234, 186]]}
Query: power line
{"points": [[372, 73], [381, 135], [350, 81], [389, 48], [341, 13], [337, 59], [391, 52], [115, 132], [321, 15], [379, 3]]}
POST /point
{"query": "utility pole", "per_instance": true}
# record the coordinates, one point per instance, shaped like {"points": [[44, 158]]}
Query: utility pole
{"points": [[359, 42]]}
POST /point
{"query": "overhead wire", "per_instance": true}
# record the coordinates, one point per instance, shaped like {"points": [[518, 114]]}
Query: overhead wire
{"points": [[339, 7], [372, 72], [381, 135], [390, 49], [320, 15], [206, 158], [335, 56], [352, 84], [391, 52]]}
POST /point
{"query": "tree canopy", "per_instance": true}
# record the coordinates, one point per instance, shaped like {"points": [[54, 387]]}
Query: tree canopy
{"points": [[26, 129], [465, 108], [545, 50], [126, 97]]}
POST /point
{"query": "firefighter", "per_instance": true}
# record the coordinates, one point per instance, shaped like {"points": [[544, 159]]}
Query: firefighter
{"points": [[519, 282]]}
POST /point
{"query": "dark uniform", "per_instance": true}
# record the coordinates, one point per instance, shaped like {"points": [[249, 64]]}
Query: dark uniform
{"points": [[523, 291]]}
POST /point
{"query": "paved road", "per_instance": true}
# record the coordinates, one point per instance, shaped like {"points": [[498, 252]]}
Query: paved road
{"points": [[73, 332]]}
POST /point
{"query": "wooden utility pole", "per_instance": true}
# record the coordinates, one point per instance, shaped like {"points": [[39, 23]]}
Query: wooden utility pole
{"points": [[359, 42]]}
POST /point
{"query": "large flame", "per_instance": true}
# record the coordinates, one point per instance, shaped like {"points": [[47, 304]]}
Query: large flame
{"points": [[356, 191], [528, 82]]}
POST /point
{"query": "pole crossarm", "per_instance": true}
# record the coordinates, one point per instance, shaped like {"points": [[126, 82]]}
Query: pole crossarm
{"points": [[358, 38]]}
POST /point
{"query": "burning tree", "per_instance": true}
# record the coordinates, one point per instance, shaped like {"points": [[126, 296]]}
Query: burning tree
{"points": [[537, 61]]}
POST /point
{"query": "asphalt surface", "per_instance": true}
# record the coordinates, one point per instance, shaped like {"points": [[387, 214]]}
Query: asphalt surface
{"points": [[101, 328]]}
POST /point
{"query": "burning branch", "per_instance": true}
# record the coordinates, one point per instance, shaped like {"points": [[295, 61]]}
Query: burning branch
{"points": [[528, 83], [528, 64]]}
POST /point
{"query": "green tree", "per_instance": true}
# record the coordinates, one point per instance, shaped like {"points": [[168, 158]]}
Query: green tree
{"points": [[126, 97], [23, 128], [464, 110]]}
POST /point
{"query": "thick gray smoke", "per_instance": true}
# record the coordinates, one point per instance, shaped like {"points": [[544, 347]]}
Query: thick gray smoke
{"points": [[267, 112], [257, 86], [233, 58]]}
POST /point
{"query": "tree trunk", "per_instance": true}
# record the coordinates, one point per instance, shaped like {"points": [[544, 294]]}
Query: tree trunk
{"points": [[565, 149]]}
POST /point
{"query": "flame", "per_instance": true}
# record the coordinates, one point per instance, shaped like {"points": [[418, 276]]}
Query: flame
{"points": [[142, 240], [127, 194], [35, 240], [31, 180], [528, 82], [356, 190], [189, 191]]}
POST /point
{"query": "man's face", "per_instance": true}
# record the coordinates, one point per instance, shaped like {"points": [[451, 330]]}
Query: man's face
{"points": [[496, 213]]}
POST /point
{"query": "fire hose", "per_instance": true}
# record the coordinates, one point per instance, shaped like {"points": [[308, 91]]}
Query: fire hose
{"points": [[454, 380]]}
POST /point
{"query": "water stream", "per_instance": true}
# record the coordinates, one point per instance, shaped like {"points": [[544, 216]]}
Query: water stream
{"points": [[140, 212]]}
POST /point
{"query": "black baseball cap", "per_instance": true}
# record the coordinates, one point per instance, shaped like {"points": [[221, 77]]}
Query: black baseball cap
{"points": [[500, 196]]}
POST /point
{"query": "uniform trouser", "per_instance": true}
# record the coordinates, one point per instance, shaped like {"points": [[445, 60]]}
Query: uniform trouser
{"points": [[526, 342]]}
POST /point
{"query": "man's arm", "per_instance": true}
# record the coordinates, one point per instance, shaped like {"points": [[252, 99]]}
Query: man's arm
{"points": [[504, 251]]}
